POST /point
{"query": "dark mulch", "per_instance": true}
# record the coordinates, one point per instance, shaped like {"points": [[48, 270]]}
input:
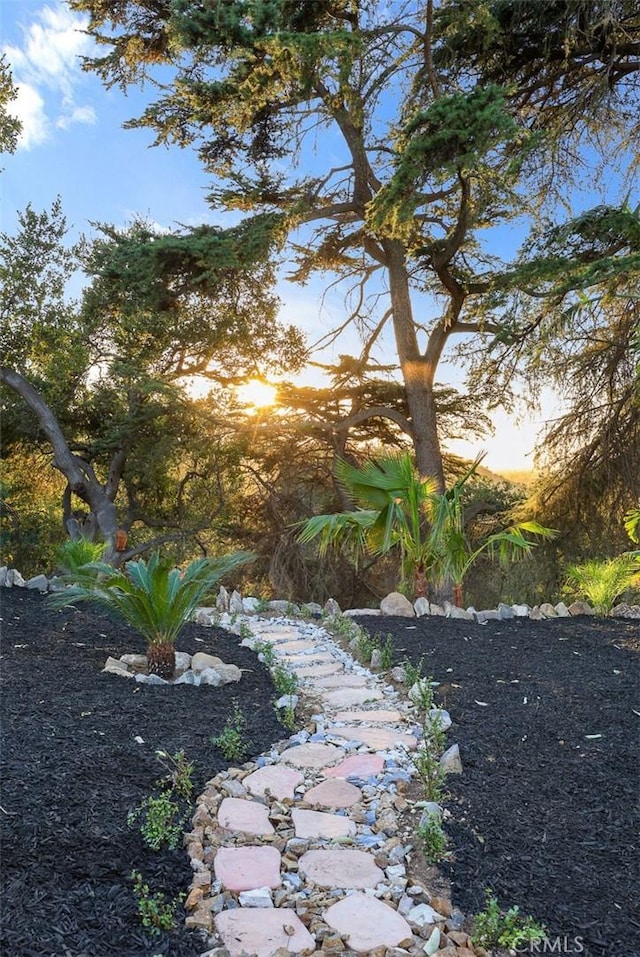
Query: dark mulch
{"points": [[71, 772], [546, 810]]}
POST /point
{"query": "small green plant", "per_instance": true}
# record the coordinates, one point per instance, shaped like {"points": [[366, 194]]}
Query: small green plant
{"points": [[412, 673], [231, 740], [245, 631], [287, 717], [162, 822], [265, 648], [75, 553], [179, 773], [432, 777], [495, 927], [386, 653], [155, 911], [433, 840], [285, 681], [601, 582], [263, 605], [365, 646]]}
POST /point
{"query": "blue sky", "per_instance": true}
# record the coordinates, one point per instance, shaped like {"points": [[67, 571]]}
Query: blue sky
{"points": [[73, 146]]}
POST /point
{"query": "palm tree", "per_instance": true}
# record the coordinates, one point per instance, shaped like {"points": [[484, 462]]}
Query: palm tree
{"points": [[156, 599], [399, 509], [393, 512], [602, 581]]}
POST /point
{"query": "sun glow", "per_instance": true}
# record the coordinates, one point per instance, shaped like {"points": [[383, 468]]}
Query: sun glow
{"points": [[257, 394]]}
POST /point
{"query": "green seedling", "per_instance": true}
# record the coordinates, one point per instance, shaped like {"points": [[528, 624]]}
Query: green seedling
{"points": [[495, 927], [156, 913], [433, 840], [162, 822], [285, 681], [231, 740]]}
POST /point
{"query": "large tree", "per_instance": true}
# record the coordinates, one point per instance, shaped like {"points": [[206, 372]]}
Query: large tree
{"points": [[432, 124], [102, 383]]}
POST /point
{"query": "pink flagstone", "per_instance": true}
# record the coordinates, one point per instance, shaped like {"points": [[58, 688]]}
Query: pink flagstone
{"points": [[334, 793], [348, 696], [295, 647], [247, 868], [346, 680], [236, 814], [305, 661], [280, 782], [369, 923], [312, 755], [319, 671], [390, 716], [320, 824], [344, 868], [378, 738], [357, 766], [261, 933]]}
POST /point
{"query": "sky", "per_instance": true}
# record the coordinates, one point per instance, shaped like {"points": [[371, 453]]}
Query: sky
{"points": [[73, 146]]}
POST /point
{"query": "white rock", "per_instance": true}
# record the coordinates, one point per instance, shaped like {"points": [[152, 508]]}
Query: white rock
{"points": [[3, 576], [442, 717], [505, 611], [423, 914], [548, 610], [521, 611], [453, 611], [490, 614], [235, 603], [331, 607], [135, 663], [436, 610], [287, 701], [421, 607], [259, 897], [358, 612], [580, 608], [116, 667], [561, 610], [15, 578], [201, 661], [450, 762], [210, 676], [250, 604], [188, 678], [222, 601], [433, 943], [183, 662], [39, 582], [205, 616]]}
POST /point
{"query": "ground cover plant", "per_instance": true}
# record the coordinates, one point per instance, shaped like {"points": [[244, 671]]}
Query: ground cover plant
{"points": [[545, 813], [78, 755]]}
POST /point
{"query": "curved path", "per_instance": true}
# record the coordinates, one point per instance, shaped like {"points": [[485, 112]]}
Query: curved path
{"points": [[302, 851]]}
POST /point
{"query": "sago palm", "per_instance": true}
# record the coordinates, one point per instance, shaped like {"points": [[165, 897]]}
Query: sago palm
{"points": [[155, 598]]}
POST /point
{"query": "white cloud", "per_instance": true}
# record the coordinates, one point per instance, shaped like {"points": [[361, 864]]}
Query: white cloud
{"points": [[28, 106], [47, 70]]}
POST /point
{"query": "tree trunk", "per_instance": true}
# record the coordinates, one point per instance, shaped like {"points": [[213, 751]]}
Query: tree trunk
{"points": [[418, 371], [81, 479], [419, 582], [457, 595], [161, 659]]}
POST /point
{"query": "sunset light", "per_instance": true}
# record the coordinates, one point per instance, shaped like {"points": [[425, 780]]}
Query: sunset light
{"points": [[257, 393]]}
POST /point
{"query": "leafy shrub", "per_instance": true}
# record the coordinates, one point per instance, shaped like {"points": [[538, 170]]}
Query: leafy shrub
{"points": [[495, 927], [602, 581]]}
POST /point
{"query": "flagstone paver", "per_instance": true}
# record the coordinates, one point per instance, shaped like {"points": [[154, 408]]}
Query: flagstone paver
{"points": [[319, 671], [344, 868], [295, 647], [247, 868], [320, 824], [347, 680], [312, 755], [306, 661], [356, 766], [369, 923], [250, 817], [334, 792], [378, 738], [263, 932], [344, 697], [374, 715], [279, 781]]}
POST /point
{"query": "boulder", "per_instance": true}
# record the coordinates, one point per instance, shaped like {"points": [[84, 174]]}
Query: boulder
{"points": [[183, 662], [397, 604], [222, 601], [358, 612], [491, 614], [421, 607], [250, 605], [205, 616], [202, 662], [521, 611], [623, 610], [536, 614], [235, 603], [116, 667], [505, 612], [442, 717], [561, 610], [15, 579], [3, 576], [580, 608], [331, 607], [436, 610], [39, 583], [453, 611], [548, 610]]}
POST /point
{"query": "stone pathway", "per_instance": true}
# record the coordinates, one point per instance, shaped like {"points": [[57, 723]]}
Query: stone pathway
{"points": [[301, 851]]}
